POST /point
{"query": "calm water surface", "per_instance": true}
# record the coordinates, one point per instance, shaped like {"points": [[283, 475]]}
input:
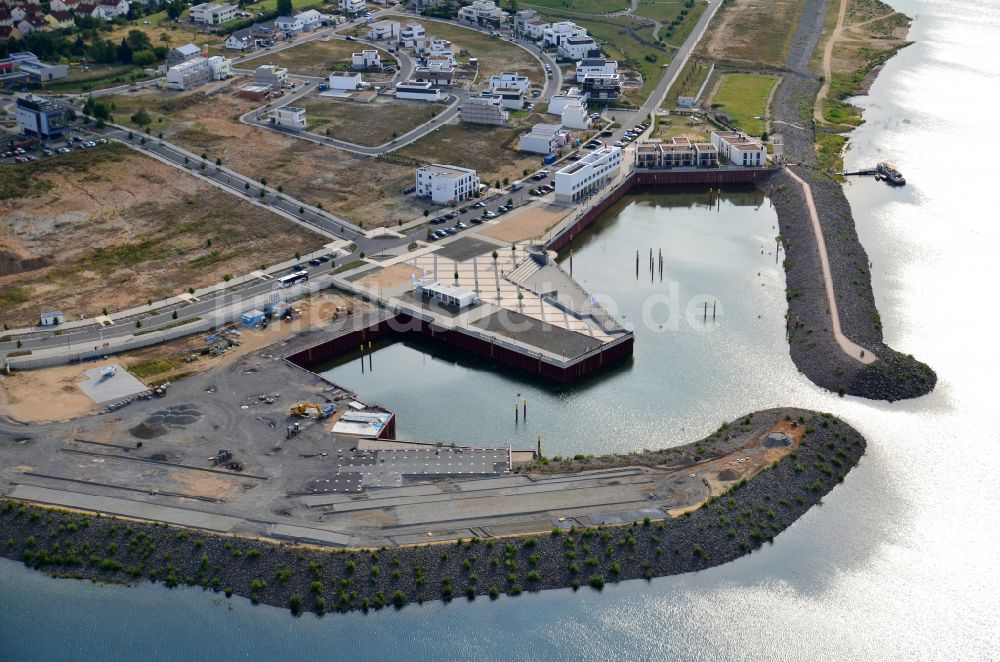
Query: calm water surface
{"points": [[900, 562]]}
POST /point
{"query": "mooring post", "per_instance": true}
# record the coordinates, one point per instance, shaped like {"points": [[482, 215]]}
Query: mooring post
{"points": [[516, 413], [713, 310], [539, 446], [525, 412], [571, 262], [370, 356], [637, 265], [706, 311], [362, 358]]}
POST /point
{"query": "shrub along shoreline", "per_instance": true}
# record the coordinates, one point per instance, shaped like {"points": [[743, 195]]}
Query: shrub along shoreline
{"points": [[307, 578]]}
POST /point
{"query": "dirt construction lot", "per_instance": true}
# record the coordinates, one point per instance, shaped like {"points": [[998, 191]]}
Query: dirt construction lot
{"points": [[368, 124], [753, 31], [109, 228], [312, 173], [314, 58]]}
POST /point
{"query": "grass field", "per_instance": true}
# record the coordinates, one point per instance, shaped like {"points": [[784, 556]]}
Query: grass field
{"points": [[581, 6], [752, 31], [313, 58], [115, 228], [688, 82], [96, 77], [495, 55], [367, 124], [744, 98]]}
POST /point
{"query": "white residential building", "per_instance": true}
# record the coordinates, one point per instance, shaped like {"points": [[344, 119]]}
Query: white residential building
{"points": [[557, 32], [289, 117], [288, 24], [558, 102], [521, 19], [510, 98], [188, 75], [211, 13], [241, 40], [411, 33], [740, 149], [310, 19], [535, 29], [417, 91], [446, 184], [484, 109], [182, 54], [366, 59], [603, 87], [544, 139], [595, 66], [484, 13], [383, 30], [109, 9], [577, 48], [345, 80], [574, 116], [351, 7], [509, 81], [591, 173], [221, 67]]}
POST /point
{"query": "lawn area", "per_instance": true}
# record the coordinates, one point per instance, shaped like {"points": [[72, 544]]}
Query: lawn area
{"points": [[313, 58], [491, 151], [752, 31], [368, 124], [688, 82], [108, 227], [744, 97], [495, 55], [678, 28], [96, 76], [581, 6]]}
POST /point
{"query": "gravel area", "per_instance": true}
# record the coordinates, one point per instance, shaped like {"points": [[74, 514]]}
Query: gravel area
{"points": [[301, 578]]}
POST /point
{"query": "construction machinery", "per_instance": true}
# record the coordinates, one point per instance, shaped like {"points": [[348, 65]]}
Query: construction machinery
{"points": [[303, 409]]}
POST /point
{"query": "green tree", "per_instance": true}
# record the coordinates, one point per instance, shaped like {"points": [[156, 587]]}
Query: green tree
{"points": [[142, 118], [284, 7]]}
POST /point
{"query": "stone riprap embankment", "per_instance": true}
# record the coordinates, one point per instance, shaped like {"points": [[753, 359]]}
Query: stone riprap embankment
{"points": [[813, 348], [750, 514]]}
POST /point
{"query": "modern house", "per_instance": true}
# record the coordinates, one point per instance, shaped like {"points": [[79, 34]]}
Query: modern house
{"points": [[740, 149], [595, 66], [211, 13], [39, 116], [182, 54], [446, 184], [577, 48], [607, 88], [289, 117], [575, 116], [310, 19], [446, 294], [411, 33], [367, 59], [554, 35], [411, 89], [271, 76], [436, 75], [510, 98], [345, 80], [351, 7], [678, 153], [590, 174], [508, 80], [544, 139], [485, 109], [483, 13], [221, 67], [535, 29], [290, 25], [559, 101], [383, 30], [521, 19]]}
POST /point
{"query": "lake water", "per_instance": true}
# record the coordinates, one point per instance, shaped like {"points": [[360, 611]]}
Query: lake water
{"points": [[900, 562]]}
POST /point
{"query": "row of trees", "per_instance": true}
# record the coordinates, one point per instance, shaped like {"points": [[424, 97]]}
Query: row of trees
{"points": [[134, 48]]}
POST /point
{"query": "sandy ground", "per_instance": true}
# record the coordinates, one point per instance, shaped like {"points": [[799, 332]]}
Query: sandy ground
{"points": [[51, 393], [390, 276], [527, 223]]}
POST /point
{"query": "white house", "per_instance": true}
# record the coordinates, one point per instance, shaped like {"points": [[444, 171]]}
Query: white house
{"points": [[595, 66], [411, 33], [576, 48], [366, 59], [603, 87], [241, 40], [557, 32], [446, 293], [544, 139], [575, 116], [591, 173], [221, 67], [417, 91], [535, 29], [289, 117], [211, 13], [310, 19], [188, 75], [345, 80], [509, 81], [739, 148], [383, 30], [351, 7], [558, 102], [446, 184], [288, 24], [109, 9], [510, 98], [483, 12]]}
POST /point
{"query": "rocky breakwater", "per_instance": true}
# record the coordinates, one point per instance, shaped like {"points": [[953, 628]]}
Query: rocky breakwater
{"points": [[740, 516]]}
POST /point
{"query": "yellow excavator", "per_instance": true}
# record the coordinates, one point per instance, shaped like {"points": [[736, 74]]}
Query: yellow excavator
{"points": [[303, 409]]}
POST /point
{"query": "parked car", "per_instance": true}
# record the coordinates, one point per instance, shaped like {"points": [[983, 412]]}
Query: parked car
{"points": [[475, 220], [314, 263], [438, 221], [451, 230], [324, 258]]}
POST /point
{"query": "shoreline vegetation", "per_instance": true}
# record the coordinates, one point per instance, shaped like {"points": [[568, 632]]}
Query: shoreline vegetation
{"points": [[750, 513]]}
